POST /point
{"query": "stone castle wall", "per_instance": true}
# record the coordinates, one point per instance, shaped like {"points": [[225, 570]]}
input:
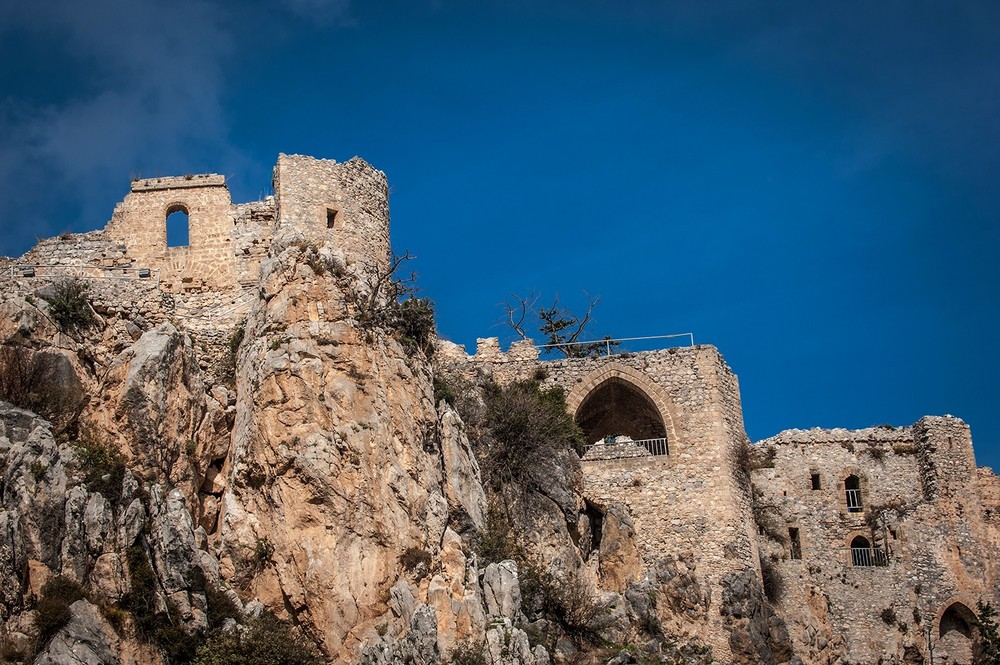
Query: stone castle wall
{"points": [[936, 545], [206, 286], [348, 203], [139, 222], [690, 501], [925, 504]]}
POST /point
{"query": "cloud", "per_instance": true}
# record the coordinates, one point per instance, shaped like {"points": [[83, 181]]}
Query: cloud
{"points": [[143, 84]]}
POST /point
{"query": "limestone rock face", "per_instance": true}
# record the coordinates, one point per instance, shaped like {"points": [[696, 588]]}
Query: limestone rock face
{"points": [[152, 400], [87, 639], [335, 470]]}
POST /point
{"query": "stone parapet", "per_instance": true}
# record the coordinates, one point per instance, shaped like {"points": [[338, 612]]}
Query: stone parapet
{"points": [[179, 182]]}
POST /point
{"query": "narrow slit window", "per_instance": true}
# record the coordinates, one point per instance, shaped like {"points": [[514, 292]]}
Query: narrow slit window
{"points": [[815, 481], [795, 543], [331, 217]]}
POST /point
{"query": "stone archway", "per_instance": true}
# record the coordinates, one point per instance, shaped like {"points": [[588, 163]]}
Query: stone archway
{"points": [[616, 399], [956, 635]]}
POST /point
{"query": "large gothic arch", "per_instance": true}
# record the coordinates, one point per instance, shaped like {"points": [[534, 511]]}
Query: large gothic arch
{"points": [[648, 398]]}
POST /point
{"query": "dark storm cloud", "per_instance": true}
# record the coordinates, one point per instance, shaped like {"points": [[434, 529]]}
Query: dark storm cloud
{"points": [[124, 80]]}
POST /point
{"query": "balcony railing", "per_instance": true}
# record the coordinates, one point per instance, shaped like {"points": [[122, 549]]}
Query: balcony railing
{"points": [[854, 501], [654, 446], [868, 557], [609, 346], [615, 448]]}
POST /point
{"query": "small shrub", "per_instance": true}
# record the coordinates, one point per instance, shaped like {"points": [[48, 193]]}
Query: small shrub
{"points": [[263, 551], [414, 323], [468, 652], [877, 453], [763, 458], [227, 364], [416, 560], [526, 429], [35, 381], [443, 391], [38, 470], [53, 606], [103, 468], [220, 607], [989, 632], [68, 305], [266, 641], [888, 616]]}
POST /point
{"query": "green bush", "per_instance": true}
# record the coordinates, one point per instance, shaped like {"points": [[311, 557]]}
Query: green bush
{"points": [[265, 641], [52, 611], [103, 468], [443, 391], [414, 322], [68, 305], [468, 652], [158, 628], [524, 432], [416, 560], [227, 364]]}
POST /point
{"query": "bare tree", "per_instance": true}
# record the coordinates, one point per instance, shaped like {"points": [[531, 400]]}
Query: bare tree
{"points": [[560, 327]]}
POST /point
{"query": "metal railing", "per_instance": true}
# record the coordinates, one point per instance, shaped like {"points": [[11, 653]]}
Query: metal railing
{"points": [[868, 557], [854, 501], [605, 345], [656, 447]]}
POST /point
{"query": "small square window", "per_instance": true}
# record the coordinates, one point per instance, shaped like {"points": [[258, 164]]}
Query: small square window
{"points": [[815, 481]]}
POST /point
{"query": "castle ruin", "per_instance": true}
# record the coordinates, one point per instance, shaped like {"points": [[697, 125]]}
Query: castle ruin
{"points": [[878, 536]]}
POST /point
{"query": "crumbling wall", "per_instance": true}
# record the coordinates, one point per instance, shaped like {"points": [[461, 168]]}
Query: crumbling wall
{"points": [[139, 222], [348, 203], [695, 500], [935, 551]]}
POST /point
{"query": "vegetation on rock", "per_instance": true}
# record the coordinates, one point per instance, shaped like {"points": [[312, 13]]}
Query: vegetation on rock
{"points": [[264, 640]]}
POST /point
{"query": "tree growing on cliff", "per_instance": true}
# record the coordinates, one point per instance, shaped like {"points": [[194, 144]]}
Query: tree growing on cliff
{"points": [[560, 328], [989, 634]]}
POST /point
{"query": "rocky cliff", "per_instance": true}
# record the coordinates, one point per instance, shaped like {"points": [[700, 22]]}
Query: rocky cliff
{"points": [[160, 496]]}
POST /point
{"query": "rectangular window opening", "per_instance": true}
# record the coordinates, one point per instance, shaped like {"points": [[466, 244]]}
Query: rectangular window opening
{"points": [[331, 217], [815, 481], [796, 545]]}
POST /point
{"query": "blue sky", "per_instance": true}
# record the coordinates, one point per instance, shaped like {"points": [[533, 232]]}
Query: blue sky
{"points": [[811, 187]]}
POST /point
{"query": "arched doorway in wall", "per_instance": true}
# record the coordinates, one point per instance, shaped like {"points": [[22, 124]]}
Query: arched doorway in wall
{"points": [[619, 407], [178, 226], [956, 635]]}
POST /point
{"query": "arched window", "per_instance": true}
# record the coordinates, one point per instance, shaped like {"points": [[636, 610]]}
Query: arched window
{"points": [[852, 487], [863, 554], [178, 227], [618, 407]]}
